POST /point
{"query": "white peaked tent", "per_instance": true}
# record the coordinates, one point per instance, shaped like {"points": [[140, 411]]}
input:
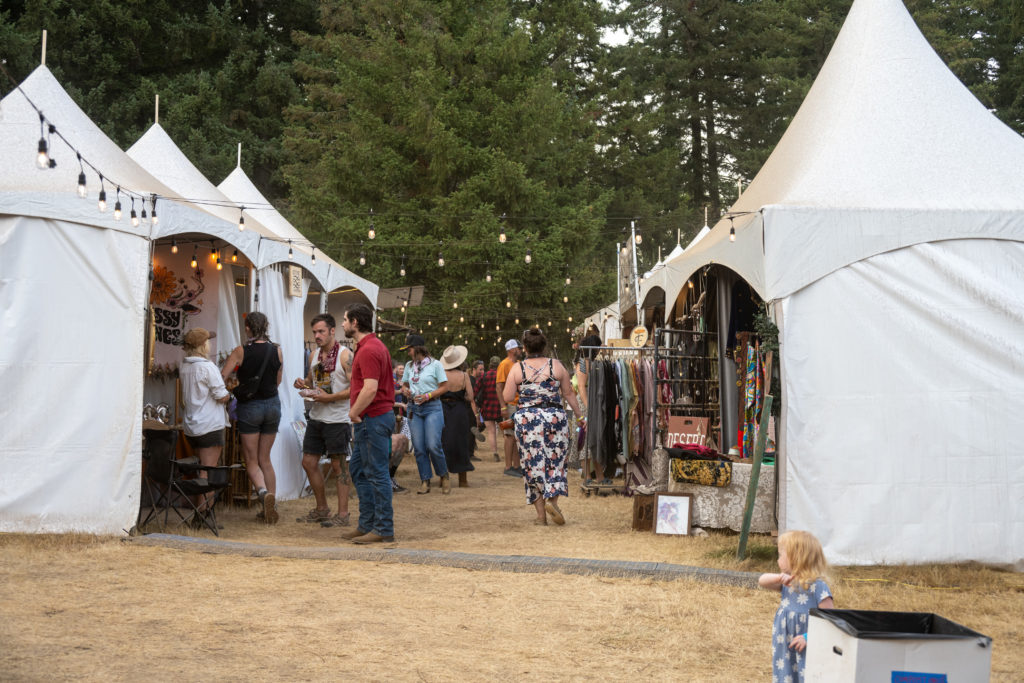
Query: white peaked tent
{"points": [[73, 296], [887, 232], [289, 320]]}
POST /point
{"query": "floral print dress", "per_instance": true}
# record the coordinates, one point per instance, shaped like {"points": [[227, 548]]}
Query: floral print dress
{"points": [[542, 431], [791, 621]]}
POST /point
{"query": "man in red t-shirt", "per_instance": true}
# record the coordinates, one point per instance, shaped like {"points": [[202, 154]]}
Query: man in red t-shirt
{"points": [[373, 421]]}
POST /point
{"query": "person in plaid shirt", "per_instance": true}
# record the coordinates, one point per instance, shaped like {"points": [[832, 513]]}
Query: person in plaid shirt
{"points": [[490, 409]]}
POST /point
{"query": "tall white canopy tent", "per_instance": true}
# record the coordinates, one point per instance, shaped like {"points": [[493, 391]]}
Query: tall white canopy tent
{"points": [[289, 318], [887, 232], [74, 284]]}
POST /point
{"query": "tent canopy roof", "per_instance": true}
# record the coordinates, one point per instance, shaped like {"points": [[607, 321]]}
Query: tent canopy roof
{"points": [[887, 150]]}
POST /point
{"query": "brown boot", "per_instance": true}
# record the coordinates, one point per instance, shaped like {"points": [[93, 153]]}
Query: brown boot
{"points": [[446, 484], [424, 486], [353, 533], [463, 484]]}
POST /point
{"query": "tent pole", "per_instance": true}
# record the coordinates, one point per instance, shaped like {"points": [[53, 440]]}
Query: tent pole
{"points": [[42, 59]]}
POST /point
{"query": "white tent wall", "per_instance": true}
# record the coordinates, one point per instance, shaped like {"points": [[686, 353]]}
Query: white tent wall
{"points": [[72, 315], [904, 383], [285, 315]]}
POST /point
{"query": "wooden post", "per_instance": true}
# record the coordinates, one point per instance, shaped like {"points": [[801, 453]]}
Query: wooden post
{"points": [[755, 473]]}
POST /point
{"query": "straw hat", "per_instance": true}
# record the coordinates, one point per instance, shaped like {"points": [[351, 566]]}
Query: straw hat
{"points": [[453, 357]]}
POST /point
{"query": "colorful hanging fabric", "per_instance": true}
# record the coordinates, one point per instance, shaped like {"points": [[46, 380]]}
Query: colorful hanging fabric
{"points": [[752, 400]]}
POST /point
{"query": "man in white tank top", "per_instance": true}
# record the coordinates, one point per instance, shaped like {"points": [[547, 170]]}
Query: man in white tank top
{"points": [[329, 429]]}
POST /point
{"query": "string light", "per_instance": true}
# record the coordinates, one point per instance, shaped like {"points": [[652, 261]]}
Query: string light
{"points": [[362, 254], [213, 253], [194, 263], [134, 217], [82, 190], [312, 256], [488, 276], [241, 219], [455, 304], [517, 320], [155, 220], [638, 238], [529, 256], [570, 318], [290, 254], [401, 270], [101, 202], [220, 266], [43, 157], [481, 326], [732, 230], [174, 246], [234, 256], [372, 234], [117, 205], [462, 319], [502, 237], [440, 259]]}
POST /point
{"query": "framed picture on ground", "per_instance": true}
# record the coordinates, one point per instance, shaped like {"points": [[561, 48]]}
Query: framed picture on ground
{"points": [[672, 515]]}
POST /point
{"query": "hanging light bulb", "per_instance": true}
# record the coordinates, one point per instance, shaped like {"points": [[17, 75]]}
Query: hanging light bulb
{"points": [[462, 319], [488, 276], [445, 328], [497, 327], [143, 209], [174, 246], [690, 283], [455, 304], [82, 190], [43, 157], [732, 231], [312, 256], [517, 320], [134, 217], [290, 254], [401, 270], [220, 266], [529, 256], [362, 254], [154, 219], [101, 202], [429, 323], [241, 219], [508, 304], [502, 237], [371, 233], [194, 263], [213, 253], [117, 205], [440, 259], [568, 280], [565, 298], [234, 256], [435, 340], [639, 238], [549, 323], [570, 318]]}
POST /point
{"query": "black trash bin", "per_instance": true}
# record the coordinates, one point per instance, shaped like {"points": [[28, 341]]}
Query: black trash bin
{"points": [[896, 647]]}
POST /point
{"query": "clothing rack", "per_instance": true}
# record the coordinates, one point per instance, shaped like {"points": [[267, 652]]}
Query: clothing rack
{"points": [[701, 384], [607, 353]]}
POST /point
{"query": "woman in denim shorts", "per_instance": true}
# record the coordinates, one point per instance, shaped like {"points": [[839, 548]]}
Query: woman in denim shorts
{"points": [[259, 416]]}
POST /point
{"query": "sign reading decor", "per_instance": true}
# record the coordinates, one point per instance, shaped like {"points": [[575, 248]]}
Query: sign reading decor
{"points": [[687, 430], [294, 281]]}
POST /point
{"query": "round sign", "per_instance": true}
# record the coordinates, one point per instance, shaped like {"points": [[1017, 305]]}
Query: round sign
{"points": [[638, 337]]}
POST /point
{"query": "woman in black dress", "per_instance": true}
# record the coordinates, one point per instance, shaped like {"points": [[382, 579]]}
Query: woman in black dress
{"points": [[459, 414]]}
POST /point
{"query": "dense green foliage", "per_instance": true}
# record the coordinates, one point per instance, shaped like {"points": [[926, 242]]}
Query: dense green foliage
{"points": [[441, 116]]}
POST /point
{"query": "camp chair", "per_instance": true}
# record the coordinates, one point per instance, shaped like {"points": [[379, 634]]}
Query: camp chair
{"points": [[167, 484]]}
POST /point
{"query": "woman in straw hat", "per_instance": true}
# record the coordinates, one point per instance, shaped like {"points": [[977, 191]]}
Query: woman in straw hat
{"points": [[205, 396], [459, 414]]}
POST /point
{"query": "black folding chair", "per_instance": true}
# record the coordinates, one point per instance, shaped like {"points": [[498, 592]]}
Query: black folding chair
{"points": [[170, 489]]}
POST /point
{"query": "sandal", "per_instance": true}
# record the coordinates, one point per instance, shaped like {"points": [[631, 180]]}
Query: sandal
{"points": [[315, 515], [335, 520], [555, 513]]}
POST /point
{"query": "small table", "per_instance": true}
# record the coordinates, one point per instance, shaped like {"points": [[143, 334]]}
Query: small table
{"points": [[721, 507]]}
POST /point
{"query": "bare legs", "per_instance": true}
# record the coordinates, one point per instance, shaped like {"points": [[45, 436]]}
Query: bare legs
{"points": [[208, 456], [256, 449]]}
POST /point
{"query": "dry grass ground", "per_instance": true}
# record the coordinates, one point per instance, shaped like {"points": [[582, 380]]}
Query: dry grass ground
{"points": [[99, 608]]}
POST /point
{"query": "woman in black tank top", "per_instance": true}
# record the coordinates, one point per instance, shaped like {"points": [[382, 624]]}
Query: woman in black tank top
{"points": [[259, 416]]}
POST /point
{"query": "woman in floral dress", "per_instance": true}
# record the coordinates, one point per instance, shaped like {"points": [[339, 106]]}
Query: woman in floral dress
{"points": [[541, 427]]}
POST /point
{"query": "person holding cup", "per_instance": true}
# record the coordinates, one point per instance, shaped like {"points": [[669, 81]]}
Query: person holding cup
{"points": [[423, 383]]}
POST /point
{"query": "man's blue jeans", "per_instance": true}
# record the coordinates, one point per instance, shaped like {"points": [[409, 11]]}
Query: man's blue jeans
{"points": [[369, 469], [426, 424]]}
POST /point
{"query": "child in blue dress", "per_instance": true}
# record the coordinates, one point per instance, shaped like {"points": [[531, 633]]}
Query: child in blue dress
{"points": [[801, 584]]}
